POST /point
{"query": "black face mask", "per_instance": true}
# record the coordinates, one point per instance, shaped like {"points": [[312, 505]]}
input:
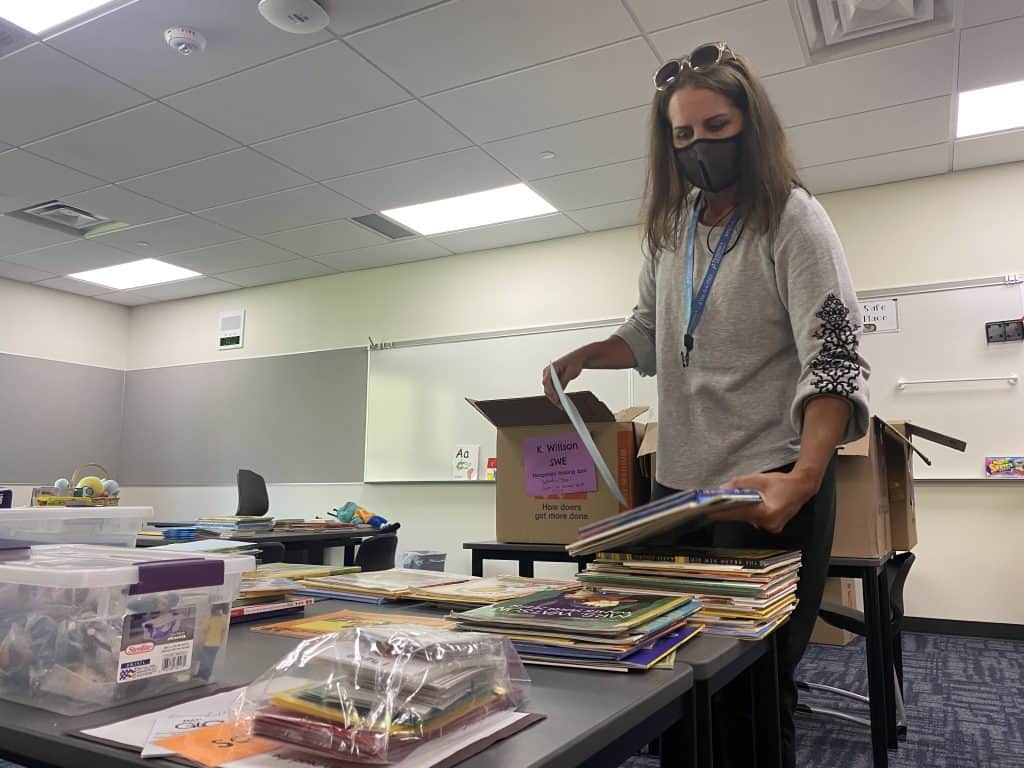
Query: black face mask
{"points": [[711, 164]]}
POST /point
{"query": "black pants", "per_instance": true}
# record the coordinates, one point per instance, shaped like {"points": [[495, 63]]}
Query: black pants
{"points": [[810, 531]]}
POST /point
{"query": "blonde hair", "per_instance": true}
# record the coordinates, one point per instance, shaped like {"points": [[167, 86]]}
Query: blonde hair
{"points": [[767, 171]]}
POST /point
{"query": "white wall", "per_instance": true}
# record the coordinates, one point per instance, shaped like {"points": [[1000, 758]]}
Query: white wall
{"points": [[40, 322], [930, 230]]}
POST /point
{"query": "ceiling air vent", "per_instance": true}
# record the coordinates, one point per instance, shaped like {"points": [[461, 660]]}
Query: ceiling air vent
{"points": [[13, 38], [384, 226], [846, 27], [66, 218]]}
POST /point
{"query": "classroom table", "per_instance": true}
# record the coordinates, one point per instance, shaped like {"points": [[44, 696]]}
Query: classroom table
{"points": [[526, 554], [878, 647], [300, 546], [594, 719]]}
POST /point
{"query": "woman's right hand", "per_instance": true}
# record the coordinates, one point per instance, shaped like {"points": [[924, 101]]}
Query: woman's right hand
{"points": [[568, 368]]}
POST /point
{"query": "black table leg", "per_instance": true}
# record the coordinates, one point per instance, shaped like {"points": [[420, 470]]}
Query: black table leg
{"points": [[478, 563], [678, 745], [350, 554], [526, 567], [877, 692], [704, 737], [767, 718], [884, 613]]}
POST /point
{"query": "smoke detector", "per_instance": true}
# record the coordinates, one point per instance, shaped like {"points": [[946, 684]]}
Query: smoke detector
{"points": [[301, 17], [184, 40]]}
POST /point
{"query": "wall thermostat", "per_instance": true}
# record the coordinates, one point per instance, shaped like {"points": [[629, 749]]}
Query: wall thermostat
{"points": [[232, 330]]}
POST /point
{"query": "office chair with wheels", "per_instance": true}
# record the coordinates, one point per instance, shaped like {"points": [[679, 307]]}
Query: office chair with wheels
{"points": [[252, 494], [852, 620], [377, 553]]}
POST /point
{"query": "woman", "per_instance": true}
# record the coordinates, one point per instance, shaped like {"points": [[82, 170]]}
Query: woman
{"points": [[748, 316]]}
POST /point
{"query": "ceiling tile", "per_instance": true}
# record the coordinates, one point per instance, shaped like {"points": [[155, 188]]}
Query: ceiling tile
{"points": [[328, 237], [599, 140], [595, 186], [142, 140], [977, 151], [278, 273], [216, 180], [79, 256], [765, 33], [881, 169], [227, 257], [128, 43], [17, 236], [296, 92], [284, 210], [68, 285], [11, 271], [391, 135], [510, 233], [400, 252], [44, 92], [864, 82], [611, 216], [656, 14], [26, 179], [471, 40], [539, 97], [921, 123], [350, 15], [975, 12], [125, 298], [183, 233], [991, 55], [420, 181], [183, 289], [121, 205]]}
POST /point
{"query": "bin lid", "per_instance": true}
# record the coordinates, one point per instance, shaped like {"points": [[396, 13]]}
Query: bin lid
{"points": [[75, 513], [87, 566]]}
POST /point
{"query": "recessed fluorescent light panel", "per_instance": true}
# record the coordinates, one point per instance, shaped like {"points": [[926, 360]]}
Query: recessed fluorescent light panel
{"points": [[38, 16], [135, 274], [479, 209], [988, 110]]}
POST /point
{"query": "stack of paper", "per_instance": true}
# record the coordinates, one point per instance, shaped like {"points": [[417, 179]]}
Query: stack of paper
{"points": [[376, 586], [263, 598], [478, 591], [589, 629], [679, 512], [228, 526], [299, 570], [745, 593], [216, 546]]}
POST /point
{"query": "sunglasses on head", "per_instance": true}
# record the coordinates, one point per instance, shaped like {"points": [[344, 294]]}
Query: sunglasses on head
{"points": [[701, 59]]}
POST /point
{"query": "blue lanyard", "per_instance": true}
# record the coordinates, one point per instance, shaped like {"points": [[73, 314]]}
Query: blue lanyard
{"points": [[694, 306]]}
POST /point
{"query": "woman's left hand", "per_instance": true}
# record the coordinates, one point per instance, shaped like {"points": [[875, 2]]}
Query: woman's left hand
{"points": [[783, 495]]}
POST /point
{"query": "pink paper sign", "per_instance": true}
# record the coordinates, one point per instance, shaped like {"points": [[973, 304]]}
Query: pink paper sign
{"points": [[557, 464]]}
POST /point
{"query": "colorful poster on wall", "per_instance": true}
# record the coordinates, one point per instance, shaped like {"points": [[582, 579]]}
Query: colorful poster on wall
{"points": [[1011, 467]]}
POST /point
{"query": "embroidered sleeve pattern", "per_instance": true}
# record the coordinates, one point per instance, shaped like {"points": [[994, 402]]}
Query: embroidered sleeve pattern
{"points": [[836, 368]]}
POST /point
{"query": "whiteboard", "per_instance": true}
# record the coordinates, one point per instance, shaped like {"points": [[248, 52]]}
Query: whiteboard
{"points": [[942, 336], [416, 409]]}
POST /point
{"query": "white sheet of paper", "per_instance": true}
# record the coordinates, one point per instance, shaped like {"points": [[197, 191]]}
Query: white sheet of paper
{"points": [[135, 732], [429, 754]]}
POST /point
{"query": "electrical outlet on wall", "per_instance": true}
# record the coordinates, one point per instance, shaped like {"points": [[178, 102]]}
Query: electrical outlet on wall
{"points": [[1004, 330]]}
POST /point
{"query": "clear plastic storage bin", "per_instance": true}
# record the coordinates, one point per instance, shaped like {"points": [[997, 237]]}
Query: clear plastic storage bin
{"points": [[116, 526], [83, 628]]}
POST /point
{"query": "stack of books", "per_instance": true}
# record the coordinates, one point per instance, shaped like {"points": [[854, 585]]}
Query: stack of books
{"points": [[680, 512], [744, 593], [229, 526], [298, 571], [265, 598], [590, 628], [376, 586], [214, 546], [486, 591]]}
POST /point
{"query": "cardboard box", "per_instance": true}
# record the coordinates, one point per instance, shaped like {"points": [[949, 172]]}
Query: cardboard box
{"points": [[875, 511], [842, 592], [548, 486]]}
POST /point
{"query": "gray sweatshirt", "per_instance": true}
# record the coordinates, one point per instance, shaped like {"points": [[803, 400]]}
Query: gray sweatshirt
{"points": [[781, 326]]}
